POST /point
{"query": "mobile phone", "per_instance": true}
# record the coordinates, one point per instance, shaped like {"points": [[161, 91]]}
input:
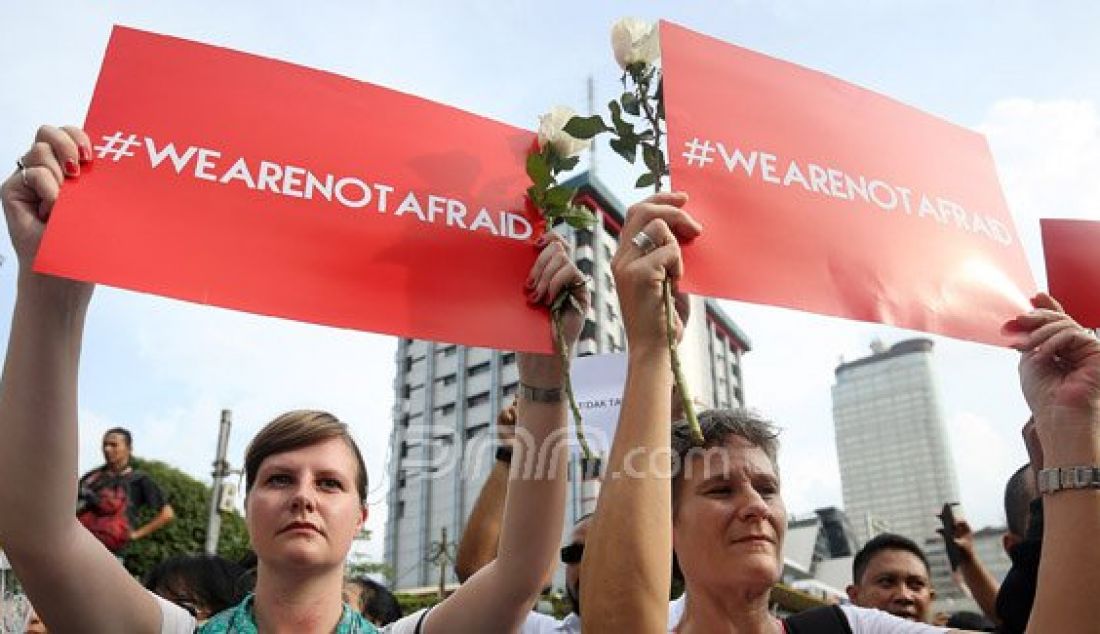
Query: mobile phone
{"points": [[952, 513]]}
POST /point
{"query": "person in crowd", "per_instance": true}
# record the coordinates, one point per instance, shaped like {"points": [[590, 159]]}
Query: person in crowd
{"points": [[1019, 493], [891, 573], [201, 584], [720, 506], [111, 495], [305, 481], [372, 599]]}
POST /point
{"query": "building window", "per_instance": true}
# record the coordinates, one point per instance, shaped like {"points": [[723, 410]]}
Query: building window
{"points": [[401, 508], [508, 358], [607, 254], [446, 410], [450, 350], [586, 266], [584, 237], [445, 439], [401, 479], [474, 430], [608, 282], [404, 449], [477, 399], [510, 389], [447, 380], [589, 330], [480, 368]]}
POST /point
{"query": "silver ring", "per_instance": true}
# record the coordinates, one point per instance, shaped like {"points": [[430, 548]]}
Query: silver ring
{"points": [[644, 242], [22, 171]]}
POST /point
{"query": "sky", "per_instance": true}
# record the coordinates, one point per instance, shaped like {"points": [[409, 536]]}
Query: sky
{"points": [[1022, 73]]}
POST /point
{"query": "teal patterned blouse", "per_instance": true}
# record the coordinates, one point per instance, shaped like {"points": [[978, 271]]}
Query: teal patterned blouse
{"points": [[238, 620]]}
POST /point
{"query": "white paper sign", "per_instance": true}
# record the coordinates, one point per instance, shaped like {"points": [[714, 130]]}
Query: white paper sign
{"points": [[598, 382]]}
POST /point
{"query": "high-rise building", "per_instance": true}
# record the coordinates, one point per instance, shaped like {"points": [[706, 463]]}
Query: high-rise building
{"points": [[895, 466], [448, 396]]}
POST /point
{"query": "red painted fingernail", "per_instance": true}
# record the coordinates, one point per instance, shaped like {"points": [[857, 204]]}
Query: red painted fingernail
{"points": [[70, 167]]}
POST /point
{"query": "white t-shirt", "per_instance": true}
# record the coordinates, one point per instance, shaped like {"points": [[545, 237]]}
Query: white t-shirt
{"points": [[861, 620]]}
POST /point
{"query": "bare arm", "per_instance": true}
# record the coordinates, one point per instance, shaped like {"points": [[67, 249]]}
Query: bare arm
{"points": [[500, 595], [51, 553], [1060, 376], [981, 583], [629, 543], [481, 537], [163, 517]]}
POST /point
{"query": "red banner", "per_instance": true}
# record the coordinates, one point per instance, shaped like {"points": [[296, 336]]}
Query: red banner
{"points": [[230, 179], [1070, 248], [823, 196]]}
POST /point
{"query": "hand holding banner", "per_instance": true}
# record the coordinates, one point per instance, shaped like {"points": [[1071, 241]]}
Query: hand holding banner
{"points": [[822, 196], [230, 179]]}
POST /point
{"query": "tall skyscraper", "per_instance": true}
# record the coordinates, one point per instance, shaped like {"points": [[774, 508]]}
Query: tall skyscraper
{"points": [[448, 396], [895, 465]]}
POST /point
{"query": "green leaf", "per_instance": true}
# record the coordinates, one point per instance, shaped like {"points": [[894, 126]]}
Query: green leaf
{"points": [[630, 103], [622, 127], [626, 149], [539, 170], [566, 164], [585, 127], [560, 196], [578, 216], [537, 195], [645, 180], [653, 158]]}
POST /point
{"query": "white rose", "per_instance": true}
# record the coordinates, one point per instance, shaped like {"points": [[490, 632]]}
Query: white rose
{"points": [[634, 41], [551, 132]]}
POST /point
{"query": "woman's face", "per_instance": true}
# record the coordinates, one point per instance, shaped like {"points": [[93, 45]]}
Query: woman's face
{"points": [[730, 520], [304, 510]]}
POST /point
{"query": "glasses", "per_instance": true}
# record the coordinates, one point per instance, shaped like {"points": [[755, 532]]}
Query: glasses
{"points": [[572, 554]]}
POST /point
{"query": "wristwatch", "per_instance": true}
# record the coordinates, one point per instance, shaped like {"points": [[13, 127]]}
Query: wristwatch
{"points": [[1059, 478], [540, 394]]}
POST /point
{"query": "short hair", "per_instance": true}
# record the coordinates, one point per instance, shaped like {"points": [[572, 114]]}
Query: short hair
{"points": [[879, 543], [1019, 492], [121, 431], [718, 425], [214, 583], [379, 605], [295, 430]]}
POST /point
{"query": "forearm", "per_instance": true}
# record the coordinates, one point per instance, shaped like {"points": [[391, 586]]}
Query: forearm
{"points": [[162, 519], [983, 586], [38, 411], [534, 508], [630, 539], [1069, 566], [481, 537]]}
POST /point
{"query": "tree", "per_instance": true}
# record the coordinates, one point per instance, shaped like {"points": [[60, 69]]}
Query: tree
{"points": [[187, 534]]}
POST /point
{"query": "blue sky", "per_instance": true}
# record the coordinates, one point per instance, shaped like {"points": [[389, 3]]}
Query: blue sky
{"points": [[1024, 73]]}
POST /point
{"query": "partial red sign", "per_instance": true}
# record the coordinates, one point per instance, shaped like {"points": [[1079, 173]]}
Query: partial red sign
{"points": [[823, 196], [1071, 249], [230, 179]]}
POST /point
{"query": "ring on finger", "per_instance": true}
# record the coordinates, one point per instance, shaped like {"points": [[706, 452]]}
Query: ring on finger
{"points": [[581, 283], [22, 171], [644, 242]]}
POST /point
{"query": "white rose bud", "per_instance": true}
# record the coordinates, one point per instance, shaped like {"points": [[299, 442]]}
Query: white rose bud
{"points": [[634, 41], [551, 132]]}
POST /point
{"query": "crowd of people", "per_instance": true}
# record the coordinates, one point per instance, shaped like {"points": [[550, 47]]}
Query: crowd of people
{"points": [[710, 515]]}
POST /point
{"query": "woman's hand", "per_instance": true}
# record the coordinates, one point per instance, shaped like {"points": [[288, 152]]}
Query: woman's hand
{"points": [[29, 194], [1060, 376], [640, 270], [552, 273]]}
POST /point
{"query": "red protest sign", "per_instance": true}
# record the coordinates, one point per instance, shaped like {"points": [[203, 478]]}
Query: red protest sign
{"points": [[253, 184], [822, 196], [1073, 269]]}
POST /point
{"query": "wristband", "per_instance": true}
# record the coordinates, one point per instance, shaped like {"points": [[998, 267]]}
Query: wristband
{"points": [[504, 454], [540, 394]]}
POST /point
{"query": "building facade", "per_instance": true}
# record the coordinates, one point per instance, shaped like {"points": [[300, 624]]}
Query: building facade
{"points": [[447, 398], [895, 465]]}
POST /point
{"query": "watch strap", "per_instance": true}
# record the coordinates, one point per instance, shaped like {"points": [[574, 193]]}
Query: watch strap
{"points": [[1057, 479]]}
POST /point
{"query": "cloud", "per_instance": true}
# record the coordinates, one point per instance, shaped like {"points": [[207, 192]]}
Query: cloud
{"points": [[1048, 156]]}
